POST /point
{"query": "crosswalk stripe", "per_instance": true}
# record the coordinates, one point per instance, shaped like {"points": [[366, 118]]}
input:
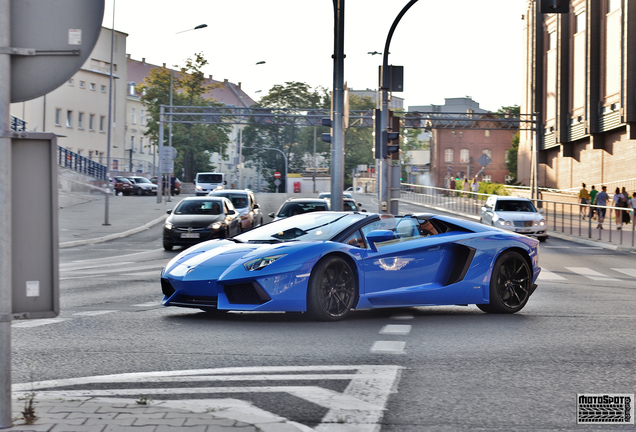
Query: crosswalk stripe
{"points": [[627, 271], [388, 347], [591, 274], [396, 329], [94, 313], [548, 275]]}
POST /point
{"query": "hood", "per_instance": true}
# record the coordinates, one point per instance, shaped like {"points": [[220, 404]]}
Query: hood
{"points": [[194, 221]]}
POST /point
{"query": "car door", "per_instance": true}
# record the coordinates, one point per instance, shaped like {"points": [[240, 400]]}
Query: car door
{"points": [[404, 271], [487, 211]]}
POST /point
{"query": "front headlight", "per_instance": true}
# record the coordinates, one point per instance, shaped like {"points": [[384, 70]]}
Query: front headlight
{"points": [[504, 222], [214, 226], [261, 263], [540, 223], [168, 225]]}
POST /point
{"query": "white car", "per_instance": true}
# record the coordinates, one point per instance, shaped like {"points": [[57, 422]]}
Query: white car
{"points": [[514, 214]]}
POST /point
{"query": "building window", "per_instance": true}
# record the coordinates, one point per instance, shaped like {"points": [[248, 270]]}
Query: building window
{"points": [[102, 88], [551, 40], [612, 5], [102, 123], [488, 153], [91, 122], [58, 115], [464, 156], [579, 22], [449, 156], [93, 86], [131, 88], [82, 84], [132, 115], [80, 120], [69, 118], [486, 133], [70, 82], [141, 144], [486, 178], [132, 143], [142, 117]]}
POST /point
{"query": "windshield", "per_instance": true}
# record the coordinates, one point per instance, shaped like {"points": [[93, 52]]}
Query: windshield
{"points": [[296, 208], [238, 200], [210, 178], [199, 207], [317, 226], [141, 180], [515, 206]]}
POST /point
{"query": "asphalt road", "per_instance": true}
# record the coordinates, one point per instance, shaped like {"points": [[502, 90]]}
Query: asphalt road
{"points": [[434, 368]]}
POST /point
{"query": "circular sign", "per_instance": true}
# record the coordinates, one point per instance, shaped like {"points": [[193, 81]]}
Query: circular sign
{"points": [[277, 174], [53, 39]]}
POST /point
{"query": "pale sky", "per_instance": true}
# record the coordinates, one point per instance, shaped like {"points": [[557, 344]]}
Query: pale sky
{"points": [[449, 48]]}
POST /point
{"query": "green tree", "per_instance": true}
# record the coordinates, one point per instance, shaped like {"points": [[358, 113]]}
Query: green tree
{"points": [[195, 143], [511, 159]]}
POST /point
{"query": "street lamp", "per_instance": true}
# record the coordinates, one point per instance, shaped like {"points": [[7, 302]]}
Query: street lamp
{"points": [[160, 186]]}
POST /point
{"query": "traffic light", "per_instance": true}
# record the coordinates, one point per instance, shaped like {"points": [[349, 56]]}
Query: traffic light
{"points": [[326, 137], [393, 137], [555, 6]]}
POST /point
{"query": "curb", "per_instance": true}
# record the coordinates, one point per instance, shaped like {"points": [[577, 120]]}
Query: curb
{"points": [[132, 231]]}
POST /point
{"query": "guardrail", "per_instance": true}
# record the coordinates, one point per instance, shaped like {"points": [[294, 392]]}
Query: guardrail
{"points": [[79, 163], [564, 217]]}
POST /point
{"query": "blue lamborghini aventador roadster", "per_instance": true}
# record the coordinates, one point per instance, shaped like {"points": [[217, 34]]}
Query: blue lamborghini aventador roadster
{"points": [[330, 263]]}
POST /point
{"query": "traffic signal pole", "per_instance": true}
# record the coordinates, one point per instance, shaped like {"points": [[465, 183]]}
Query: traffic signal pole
{"points": [[389, 190], [337, 113]]}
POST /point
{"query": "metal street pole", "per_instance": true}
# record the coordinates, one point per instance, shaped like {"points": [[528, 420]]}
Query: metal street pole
{"points": [[279, 151], [160, 147], [110, 119], [6, 279], [386, 202], [337, 143]]}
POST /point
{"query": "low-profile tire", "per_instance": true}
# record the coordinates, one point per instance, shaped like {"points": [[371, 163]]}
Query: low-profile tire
{"points": [[139, 192], [510, 284], [167, 246], [332, 290], [543, 238]]}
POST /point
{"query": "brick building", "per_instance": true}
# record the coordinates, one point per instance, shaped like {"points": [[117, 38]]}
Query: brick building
{"points": [[580, 77]]}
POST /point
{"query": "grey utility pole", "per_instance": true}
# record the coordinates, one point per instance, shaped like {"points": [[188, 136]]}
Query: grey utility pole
{"points": [[387, 202], [337, 109]]}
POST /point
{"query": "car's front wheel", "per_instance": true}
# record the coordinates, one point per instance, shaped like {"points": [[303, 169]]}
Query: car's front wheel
{"points": [[510, 284], [332, 290], [167, 246]]}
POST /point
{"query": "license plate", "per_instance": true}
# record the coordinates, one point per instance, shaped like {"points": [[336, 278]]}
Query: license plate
{"points": [[190, 235]]}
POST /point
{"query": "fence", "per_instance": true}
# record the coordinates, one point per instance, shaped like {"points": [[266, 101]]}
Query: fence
{"points": [[79, 163], [564, 217]]}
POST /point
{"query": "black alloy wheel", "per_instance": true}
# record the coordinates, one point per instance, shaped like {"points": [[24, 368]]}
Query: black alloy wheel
{"points": [[510, 284], [332, 290]]}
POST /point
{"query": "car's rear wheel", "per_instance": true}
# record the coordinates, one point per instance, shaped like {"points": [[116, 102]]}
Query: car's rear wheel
{"points": [[332, 290], [167, 246], [139, 192], [510, 284]]}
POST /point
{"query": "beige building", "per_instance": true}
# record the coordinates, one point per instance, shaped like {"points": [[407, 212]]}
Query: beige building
{"points": [[580, 72], [77, 111]]}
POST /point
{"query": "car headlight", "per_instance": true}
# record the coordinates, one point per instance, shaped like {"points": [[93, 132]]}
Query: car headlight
{"points": [[504, 222], [199, 188], [540, 223], [261, 263], [168, 225], [214, 226]]}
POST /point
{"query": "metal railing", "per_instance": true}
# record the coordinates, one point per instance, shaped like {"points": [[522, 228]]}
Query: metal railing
{"points": [[564, 217], [79, 163]]}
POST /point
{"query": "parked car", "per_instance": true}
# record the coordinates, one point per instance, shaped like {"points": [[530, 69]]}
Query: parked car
{"points": [[142, 186], [358, 189], [330, 263], [295, 206], [121, 185], [348, 204], [244, 202], [176, 188], [197, 219], [514, 214]]}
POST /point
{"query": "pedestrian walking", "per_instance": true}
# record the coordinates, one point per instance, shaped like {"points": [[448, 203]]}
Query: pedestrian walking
{"points": [[625, 203], [474, 186], [593, 193], [601, 200], [466, 186], [453, 185], [584, 198], [619, 201]]}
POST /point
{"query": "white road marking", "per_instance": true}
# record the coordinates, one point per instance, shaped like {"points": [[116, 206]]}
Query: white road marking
{"points": [[402, 317], [149, 304], [124, 269], [359, 408], [591, 274], [82, 277], [628, 271], [396, 329], [388, 347], [547, 275], [38, 322], [93, 313], [144, 274]]}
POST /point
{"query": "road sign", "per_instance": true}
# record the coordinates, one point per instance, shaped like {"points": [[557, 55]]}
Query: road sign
{"points": [[167, 166], [277, 175], [167, 152], [484, 160], [414, 169]]}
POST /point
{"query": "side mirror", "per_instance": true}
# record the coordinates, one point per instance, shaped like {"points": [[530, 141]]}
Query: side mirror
{"points": [[169, 211], [256, 206], [541, 210], [379, 236], [271, 215]]}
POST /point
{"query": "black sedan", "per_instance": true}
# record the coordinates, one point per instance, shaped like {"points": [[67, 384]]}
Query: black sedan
{"points": [[197, 219]]}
